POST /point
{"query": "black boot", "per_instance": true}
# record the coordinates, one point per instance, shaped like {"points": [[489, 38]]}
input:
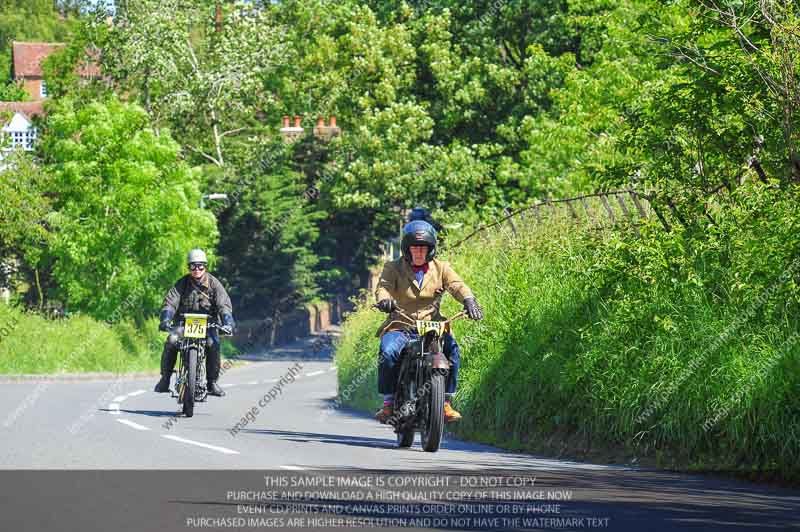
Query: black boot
{"points": [[163, 384], [168, 358], [214, 389]]}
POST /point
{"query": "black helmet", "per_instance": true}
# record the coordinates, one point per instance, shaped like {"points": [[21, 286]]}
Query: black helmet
{"points": [[418, 233]]}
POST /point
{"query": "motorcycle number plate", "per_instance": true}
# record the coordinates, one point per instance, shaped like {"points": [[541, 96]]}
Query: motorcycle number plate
{"points": [[424, 326], [195, 326]]}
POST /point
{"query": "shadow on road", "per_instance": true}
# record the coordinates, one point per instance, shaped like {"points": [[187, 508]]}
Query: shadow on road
{"points": [[151, 413], [308, 437]]}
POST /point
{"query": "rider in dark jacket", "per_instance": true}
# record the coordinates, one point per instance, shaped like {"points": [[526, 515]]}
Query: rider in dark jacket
{"points": [[197, 292]]}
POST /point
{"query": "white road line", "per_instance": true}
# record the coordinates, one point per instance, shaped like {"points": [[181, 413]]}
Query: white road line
{"points": [[271, 380], [120, 398], [315, 373], [114, 407], [199, 444], [132, 424], [137, 392], [293, 468], [251, 383], [228, 385], [332, 369]]}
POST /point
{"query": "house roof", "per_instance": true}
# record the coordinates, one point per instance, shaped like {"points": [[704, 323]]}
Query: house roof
{"points": [[29, 109], [28, 57]]}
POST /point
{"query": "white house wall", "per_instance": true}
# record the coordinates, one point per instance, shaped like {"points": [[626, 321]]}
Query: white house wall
{"points": [[18, 123]]}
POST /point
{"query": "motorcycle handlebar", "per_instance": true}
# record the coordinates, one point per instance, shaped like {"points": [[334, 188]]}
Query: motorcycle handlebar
{"points": [[458, 316], [222, 329]]}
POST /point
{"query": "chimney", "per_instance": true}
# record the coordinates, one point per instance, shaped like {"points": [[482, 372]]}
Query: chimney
{"points": [[323, 132], [291, 133]]}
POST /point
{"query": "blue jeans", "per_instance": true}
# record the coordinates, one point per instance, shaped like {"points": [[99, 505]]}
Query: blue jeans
{"points": [[392, 344]]}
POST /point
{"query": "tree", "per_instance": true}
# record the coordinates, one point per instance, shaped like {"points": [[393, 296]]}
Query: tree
{"points": [[191, 75], [13, 92], [127, 208], [270, 265], [25, 211]]}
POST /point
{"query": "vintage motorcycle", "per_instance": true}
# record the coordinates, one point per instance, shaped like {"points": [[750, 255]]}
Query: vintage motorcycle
{"points": [[190, 380], [419, 395]]}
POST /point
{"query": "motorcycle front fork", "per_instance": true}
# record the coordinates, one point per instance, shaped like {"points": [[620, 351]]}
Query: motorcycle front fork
{"points": [[200, 388]]}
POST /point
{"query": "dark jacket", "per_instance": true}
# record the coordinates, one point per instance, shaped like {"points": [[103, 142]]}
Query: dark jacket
{"points": [[209, 297]]}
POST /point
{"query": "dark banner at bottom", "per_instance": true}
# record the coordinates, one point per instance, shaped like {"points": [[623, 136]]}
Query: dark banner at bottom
{"points": [[186, 500]]}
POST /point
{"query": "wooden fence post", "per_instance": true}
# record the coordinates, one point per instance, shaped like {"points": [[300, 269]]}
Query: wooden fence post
{"points": [[639, 208], [627, 213], [510, 220], [572, 211], [610, 212]]}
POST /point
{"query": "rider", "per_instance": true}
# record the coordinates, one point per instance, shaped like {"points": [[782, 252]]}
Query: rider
{"points": [[414, 284], [198, 292]]}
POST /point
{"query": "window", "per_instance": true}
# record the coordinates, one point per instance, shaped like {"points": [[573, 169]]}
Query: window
{"points": [[43, 89], [23, 140]]}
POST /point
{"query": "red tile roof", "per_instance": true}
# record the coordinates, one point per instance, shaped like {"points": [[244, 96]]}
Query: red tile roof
{"points": [[29, 109], [28, 57]]}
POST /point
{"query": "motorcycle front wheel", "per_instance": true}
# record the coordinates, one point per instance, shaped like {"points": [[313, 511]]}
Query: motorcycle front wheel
{"points": [[433, 425], [191, 382]]}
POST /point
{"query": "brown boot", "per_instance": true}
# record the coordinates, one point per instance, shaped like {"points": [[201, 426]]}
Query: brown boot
{"points": [[450, 413], [385, 413]]}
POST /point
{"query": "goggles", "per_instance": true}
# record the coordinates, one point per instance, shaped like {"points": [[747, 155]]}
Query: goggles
{"points": [[197, 266]]}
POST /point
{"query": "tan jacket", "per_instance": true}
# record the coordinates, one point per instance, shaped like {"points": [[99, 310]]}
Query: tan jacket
{"points": [[398, 282]]}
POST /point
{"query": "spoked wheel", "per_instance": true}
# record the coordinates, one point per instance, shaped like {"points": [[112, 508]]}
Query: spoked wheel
{"points": [[190, 384], [433, 424]]}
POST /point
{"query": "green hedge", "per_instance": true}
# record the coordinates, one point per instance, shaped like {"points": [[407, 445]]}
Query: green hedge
{"points": [[677, 347], [30, 343]]}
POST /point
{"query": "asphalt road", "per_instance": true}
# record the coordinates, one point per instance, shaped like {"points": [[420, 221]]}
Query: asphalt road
{"points": [[121, 425]]}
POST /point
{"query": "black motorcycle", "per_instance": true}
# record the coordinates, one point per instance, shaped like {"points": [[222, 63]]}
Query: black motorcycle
{"points": [[419, 395], [190, 380]]}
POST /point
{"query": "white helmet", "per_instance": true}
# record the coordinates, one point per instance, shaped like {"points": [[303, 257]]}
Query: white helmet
{"points": [[197, 255]]}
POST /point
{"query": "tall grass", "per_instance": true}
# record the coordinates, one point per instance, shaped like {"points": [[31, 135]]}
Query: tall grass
{"points": [[669, 346], [30, 343]]}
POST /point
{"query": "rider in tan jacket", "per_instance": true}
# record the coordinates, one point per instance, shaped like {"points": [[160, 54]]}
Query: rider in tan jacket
{"points": [[414, 284]]}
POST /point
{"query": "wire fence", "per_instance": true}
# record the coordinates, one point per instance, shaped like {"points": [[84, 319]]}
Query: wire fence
{"points": [[603, 209], [626, 207]]}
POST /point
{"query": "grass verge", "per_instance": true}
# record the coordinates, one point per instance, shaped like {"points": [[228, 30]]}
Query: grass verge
{"points": [[678, 350]]}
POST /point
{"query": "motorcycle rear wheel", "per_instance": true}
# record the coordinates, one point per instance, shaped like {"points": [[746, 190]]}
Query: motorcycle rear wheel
{"points": [[405, 438]]}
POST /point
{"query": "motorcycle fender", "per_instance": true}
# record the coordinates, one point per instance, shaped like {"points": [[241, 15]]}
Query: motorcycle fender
{"points": [[440, 361]]}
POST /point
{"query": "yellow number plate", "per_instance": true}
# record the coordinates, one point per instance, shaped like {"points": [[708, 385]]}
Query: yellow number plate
{"points": [[195, 326], [426, 326]]}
